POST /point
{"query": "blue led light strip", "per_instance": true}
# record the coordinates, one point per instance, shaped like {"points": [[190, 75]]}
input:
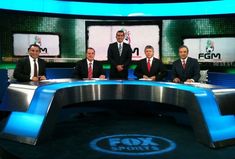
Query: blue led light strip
{"points": [[121, 10]]}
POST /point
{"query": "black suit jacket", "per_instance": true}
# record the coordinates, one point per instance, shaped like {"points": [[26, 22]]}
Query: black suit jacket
{"points": [[23, 69], [81, 69], [192, 70], [115, 59], [157, 69]]}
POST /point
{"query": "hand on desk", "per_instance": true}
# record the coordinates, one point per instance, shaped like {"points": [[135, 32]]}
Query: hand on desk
{"points": [[176, 80], [39, 78], [189, 80], [102, 77], [153, 78]]}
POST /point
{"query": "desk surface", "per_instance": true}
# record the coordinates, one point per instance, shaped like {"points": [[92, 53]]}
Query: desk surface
{"points": [[40, 102]]}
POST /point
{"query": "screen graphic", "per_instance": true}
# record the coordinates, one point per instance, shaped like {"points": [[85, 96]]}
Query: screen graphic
{"points": [[219, 49], [48, 43]]}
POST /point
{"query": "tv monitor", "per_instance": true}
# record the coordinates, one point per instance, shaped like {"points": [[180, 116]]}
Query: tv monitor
{"points": [[49, 43], [212, 49]]}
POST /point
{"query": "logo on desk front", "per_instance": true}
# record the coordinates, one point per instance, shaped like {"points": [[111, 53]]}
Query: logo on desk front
{"points": [[132, 144]]}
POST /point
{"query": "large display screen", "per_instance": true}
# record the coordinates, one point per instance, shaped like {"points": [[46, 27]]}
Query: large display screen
{"points": [[48, 43], [219, 49], [138, 36], [64, 39]]}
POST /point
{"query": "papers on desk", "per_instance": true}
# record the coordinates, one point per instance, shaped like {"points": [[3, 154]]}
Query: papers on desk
{"points": [[145, 79], [94, 79], [197, 84], [57, 80], [192, 83]]}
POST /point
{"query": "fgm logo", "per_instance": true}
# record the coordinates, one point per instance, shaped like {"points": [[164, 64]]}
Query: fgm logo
{"points": [[209, 54], [210, 46], [38, 41], [127, 38], [133, 144]]}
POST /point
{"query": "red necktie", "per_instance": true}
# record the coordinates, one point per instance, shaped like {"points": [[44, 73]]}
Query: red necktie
{"points": [[183, 64], [148, 65], [90, 71], [35, 71]]}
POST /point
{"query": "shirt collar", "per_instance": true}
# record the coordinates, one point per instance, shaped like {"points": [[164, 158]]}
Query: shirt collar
{"points": [[32, 59], [184, 59], [89, 61], [120, 43], [151, 59]]}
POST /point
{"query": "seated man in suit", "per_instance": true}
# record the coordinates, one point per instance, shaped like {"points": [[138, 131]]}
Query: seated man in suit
{"points": [[119, 56], [150, 68], [185, 69], [31, 68], [88, 67]]}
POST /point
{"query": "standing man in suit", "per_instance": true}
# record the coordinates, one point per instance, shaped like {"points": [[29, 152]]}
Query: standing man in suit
{"points": [[150, 67], [119, 56], [31, 68], [88, 67], [185, 69]]}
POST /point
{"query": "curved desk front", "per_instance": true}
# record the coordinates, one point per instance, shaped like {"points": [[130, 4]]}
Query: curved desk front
{"points": [[35, 106]]}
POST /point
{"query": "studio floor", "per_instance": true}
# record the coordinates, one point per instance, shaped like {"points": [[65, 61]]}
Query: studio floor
{"points": [[72, 137]]}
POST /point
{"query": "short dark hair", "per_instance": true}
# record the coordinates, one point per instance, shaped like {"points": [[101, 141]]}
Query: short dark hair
{"points": [[149, 47], [184, 46], [90, 48], [120, 31], [35, 45]]}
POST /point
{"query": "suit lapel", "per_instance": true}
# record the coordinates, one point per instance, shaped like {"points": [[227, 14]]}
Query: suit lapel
{"points": [[116, 47], [188, 63], [39, 67], [145, 65], [85, 67], [153, 65], [94, 68], [28, 67]]}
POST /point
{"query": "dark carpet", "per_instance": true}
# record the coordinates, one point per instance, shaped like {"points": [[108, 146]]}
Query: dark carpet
{"points": [[71, 138]]}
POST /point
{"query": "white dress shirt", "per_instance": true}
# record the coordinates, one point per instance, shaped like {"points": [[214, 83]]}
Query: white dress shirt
{"points": [[31, 60], [151, 60], [88, 64]]}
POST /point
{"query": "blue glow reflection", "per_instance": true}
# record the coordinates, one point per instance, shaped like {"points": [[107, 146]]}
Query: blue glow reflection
{"points": [[24, 124]]}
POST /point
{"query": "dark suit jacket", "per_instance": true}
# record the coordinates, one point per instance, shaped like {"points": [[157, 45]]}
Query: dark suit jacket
{"points": [[23, 69], [192, 70], [157, 69], [81, 69], [115, 59]]}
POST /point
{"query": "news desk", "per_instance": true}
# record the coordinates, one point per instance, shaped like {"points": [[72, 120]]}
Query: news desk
{"points": [[34, 106]]}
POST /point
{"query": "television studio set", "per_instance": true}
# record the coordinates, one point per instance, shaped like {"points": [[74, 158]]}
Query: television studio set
{"points": [[117, 79]]}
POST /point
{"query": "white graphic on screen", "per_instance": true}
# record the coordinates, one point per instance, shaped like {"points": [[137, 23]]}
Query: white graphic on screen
{"points": [[49, 44], [212, 49]]}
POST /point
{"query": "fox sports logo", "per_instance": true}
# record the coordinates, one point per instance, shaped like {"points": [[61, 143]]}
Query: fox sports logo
{"points": [[132, 144]]}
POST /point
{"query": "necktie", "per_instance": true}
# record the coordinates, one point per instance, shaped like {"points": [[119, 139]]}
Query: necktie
{"points": [[90, 71], [120, 49], [35, 72], [148, 65], [183, 64]]}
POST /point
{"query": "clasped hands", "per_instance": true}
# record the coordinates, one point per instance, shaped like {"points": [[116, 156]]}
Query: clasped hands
{"points": [[152, 77], [39, 78], [120, 68]]}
